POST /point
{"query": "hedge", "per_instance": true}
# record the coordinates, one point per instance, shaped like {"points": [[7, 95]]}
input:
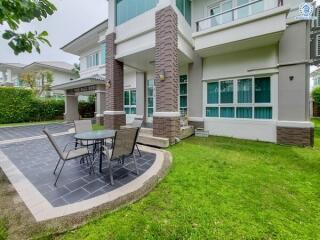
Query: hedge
{"points": [[86, 109], [316, 95], [21, 105]]}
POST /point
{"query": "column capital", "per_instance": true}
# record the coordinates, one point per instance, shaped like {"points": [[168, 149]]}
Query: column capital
{"points": [[166, 114]]}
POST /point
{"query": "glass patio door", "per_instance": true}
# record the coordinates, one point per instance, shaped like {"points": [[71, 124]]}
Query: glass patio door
{"points": [[150, 100]]}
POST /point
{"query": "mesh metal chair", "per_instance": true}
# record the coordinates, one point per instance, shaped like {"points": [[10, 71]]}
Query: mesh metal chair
{"points": [[137, 123], [83, 126], [66, 155], [123, 147]]}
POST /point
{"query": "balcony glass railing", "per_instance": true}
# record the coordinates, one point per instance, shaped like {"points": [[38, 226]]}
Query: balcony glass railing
{"points": [[219, 14]]}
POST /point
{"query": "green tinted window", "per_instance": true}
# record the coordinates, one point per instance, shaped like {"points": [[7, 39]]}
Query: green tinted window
{"points": [[128, 9], [126, 98], [262, 90], [244, 112], [245, 91], [133, 97], [103, 53], [213, 93], [227, 112], [212, 112], [185, 8], [226, 91], [263, 113]]}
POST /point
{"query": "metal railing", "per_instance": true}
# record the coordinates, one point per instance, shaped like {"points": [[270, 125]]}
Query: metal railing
{"points": [[238, 12]]}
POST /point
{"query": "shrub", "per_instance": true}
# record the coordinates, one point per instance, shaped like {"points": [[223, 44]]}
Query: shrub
{"points": [[316, 95], [86, 109], [21, 105]]}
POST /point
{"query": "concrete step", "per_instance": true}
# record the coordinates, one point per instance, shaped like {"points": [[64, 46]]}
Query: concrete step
{"points": [[186, 131], [148, 131], [148, 139]]}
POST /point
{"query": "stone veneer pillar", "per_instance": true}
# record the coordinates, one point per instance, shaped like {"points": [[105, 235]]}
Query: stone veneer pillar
{"points": [[114, 116], [71, 107], [100, 106], [166, 118]]}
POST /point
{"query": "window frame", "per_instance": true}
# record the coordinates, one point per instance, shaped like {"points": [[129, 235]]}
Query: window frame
{"points": [[186, 108], [235, 103], [93, 60], [130, 105], [184, 11]]}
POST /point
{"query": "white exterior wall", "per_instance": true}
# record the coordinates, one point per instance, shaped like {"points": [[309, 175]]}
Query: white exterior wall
{"points": [[240, 63], [254, 62], [86, 72]]}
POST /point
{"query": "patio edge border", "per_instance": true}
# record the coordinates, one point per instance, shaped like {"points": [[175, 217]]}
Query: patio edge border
{"points": [[42, 210]]}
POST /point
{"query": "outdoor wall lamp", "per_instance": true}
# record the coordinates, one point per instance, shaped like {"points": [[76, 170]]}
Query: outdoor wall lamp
{"points": [[108, 84], [162, 75]]}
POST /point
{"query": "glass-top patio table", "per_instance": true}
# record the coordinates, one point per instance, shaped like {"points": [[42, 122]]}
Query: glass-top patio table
{"points": [[98, 137]]}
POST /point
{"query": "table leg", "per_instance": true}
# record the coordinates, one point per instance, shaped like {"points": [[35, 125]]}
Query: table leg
{"points": [[101, 152]]}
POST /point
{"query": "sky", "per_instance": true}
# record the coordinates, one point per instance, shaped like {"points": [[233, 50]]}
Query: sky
{"points": [[72, 18]]}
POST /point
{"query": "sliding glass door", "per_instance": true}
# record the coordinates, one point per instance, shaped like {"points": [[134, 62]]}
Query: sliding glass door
{"points": [[150, 100]]}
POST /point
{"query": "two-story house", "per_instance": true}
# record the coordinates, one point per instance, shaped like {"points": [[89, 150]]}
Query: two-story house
{"points": [[237, 68], [62, 72]]}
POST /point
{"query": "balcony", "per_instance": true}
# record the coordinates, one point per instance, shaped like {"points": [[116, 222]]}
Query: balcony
{"points": [[251, 25]]}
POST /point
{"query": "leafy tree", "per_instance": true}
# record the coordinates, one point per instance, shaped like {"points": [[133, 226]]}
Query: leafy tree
{"points": [[76, 69], [15, 12], [39, 81]]}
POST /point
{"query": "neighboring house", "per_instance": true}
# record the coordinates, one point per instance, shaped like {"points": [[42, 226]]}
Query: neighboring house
{"points": [[11, 73], [237, 68]]}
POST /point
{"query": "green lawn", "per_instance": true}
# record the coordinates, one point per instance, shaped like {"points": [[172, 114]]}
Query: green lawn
{"points": [[3, 229], [223, 188]]}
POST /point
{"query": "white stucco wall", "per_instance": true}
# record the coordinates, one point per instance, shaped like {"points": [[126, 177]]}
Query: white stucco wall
{"points": [[238, 63]]}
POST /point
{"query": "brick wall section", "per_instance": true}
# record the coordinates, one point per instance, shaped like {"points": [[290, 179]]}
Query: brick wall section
{"points": [[166, 58], [114, 94], [295, 136], [166, 127], [114, 74], [100, 120], [114, 121]]}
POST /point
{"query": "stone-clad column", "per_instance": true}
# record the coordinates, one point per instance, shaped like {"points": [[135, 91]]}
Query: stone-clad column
{"points": [[71, 107], [100, 104], [114, 116], [166, 119]]}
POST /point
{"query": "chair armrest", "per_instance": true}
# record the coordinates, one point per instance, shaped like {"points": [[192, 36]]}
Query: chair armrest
{"points": [[65, 147]]}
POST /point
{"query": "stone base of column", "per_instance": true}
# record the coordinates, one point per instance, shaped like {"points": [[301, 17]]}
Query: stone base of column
{"points": [[167, 127], [295, 136], [100, 120], [114, 122]]}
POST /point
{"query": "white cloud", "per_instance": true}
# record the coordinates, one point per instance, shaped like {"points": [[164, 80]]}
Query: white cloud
{"points": [[73, 18]]}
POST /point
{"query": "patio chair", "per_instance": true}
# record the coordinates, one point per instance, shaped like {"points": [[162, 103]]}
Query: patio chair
{"points": [[83, 126], [123, 147], [66, 155], [137, 123]]}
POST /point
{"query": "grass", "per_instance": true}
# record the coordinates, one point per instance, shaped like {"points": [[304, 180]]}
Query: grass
{"points": [[29, 123], [223, 188], [3, 229]]}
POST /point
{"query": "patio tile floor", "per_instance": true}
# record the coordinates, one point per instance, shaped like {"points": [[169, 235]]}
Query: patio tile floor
{"points": [[36, 160]]}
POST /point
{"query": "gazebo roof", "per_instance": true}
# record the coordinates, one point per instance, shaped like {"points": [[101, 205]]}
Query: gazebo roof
{"points": [[96, 79]]}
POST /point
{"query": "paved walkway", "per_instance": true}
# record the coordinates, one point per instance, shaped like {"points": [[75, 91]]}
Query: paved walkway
{"points": [[10, 133], [28, 159]]}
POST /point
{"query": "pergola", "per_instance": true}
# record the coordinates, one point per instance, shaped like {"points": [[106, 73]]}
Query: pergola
{"points": [[84, 86]]}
